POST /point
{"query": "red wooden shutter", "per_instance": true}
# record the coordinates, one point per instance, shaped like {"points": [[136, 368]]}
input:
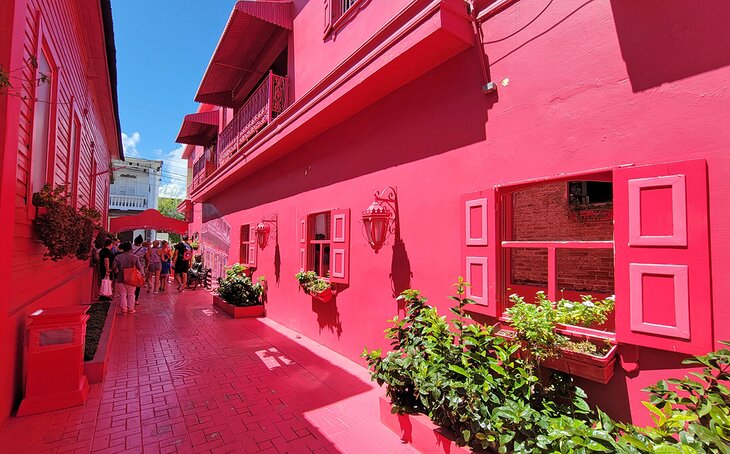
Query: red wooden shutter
{"points": [[663, 297], [303, 244], [478, 249], [252, 246], [340, 251]]}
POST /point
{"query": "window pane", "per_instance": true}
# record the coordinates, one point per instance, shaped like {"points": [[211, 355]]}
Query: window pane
{"points": [[585, 271], [555, 212], [325, 260], [527, 271], [41, 121], [245, 233], [314, 257], [321, 226]]}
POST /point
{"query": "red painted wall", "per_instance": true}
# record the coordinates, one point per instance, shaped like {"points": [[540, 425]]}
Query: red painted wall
{"points": [[31, 281], [582, 85]]}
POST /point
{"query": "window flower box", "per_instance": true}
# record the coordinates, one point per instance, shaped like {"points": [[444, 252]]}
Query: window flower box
{"points": [[580, 364], [324, 296], [239, 311]]}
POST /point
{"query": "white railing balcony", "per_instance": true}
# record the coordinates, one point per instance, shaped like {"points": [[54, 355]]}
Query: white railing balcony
{"points": [[127, 202]]}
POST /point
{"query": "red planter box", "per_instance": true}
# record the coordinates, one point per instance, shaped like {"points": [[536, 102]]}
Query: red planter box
{"points": [[324, 296], [95, 369], [239, 312], [420, 432], [596, 368]]}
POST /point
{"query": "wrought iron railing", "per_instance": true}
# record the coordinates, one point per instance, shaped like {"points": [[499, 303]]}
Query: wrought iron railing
{"points": [[267, 101]]}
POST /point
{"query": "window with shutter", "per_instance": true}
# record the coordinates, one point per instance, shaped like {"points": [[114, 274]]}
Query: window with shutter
{"points": [[663, 294], [247, 252]]}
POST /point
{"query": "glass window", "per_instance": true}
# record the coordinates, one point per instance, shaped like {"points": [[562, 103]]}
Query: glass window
{"points": [[319, 243], [41, 122]]}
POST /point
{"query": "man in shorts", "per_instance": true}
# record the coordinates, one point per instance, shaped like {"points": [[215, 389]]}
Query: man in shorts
{"points": [[182, 258]]}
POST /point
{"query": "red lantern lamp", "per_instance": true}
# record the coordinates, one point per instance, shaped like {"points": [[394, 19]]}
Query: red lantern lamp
{"points": [[262, 234], [263, 229], [378, 220]]}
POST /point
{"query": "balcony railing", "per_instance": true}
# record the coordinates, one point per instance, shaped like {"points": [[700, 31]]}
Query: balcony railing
{"points": [[266, 102], [127, 202]]}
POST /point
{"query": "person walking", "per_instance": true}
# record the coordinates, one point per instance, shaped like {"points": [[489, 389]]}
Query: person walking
{"points": [[154, 266], [165, 255], [181, 258], [105, 264], [139, 251], [125, 260]]}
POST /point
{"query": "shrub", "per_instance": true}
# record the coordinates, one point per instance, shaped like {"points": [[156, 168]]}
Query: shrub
{"points": [[470, 381], [64, 231], [238, 289]]}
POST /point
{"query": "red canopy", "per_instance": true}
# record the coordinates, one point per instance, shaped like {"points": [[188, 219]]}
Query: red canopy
{"points": [[198, 128], [235, 60], [148, 219]]}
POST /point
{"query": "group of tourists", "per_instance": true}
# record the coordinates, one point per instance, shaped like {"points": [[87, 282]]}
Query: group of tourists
{"points": [[130, 267]]}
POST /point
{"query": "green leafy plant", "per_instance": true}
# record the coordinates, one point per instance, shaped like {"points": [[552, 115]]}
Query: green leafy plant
{"points": [[311, 283], [690, 414], [535, 324], [236, 269], [238, 289], [64, 231], [470, 381]]}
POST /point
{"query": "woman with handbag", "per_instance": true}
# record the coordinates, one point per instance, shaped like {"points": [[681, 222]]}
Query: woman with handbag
{"points": [[129, 277]]}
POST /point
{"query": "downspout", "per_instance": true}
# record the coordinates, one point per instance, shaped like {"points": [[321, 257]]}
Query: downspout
{"points": [[488, 86]]}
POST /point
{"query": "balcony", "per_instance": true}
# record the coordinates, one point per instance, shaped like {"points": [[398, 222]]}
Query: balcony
{"points": [[127, 202], [266, 102]]}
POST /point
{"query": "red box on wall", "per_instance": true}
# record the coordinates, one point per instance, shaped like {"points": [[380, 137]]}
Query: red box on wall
{"points": [[54, 356]]}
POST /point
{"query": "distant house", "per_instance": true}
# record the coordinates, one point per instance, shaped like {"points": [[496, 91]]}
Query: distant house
{"points": [[135, 188], [59, 125]]}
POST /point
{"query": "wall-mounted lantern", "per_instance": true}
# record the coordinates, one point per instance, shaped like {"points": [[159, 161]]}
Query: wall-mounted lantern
{"points": [[379, 219], [263, 230]]}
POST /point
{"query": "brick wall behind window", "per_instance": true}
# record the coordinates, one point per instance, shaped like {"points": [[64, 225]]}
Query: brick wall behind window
{"points": [[542, 213]]}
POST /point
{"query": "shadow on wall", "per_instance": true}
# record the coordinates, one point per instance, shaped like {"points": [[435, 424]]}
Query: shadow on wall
{"points": [[668, 40], [398, 129], [328, 317]]}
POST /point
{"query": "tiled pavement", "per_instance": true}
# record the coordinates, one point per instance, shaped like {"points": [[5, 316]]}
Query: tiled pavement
{"points": [[185, 378]]}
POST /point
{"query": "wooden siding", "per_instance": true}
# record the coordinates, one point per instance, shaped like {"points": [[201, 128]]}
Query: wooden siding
{"points": [[58, 21]]}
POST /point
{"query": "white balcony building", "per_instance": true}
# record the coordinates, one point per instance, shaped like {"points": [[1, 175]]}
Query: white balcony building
{"points": [[135, 188]]}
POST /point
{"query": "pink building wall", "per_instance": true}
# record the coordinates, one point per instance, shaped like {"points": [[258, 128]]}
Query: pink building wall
{"points": [[75, 35], [581, 86]]}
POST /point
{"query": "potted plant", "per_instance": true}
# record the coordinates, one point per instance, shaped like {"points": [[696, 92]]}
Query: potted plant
{"points": [[238, 296], [543, 330], [313, 285], [64, 231]]}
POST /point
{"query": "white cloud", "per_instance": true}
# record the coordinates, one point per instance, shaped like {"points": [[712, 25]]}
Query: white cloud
{"points": [[129, 144]]}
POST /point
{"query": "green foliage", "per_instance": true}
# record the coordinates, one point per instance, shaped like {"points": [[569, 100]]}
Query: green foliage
{"points": [[311, 283], [535, 323], [691, 415], [236, 269], [471, 382], [64, 231], [238, 289], [4, 78], [168, 207]]}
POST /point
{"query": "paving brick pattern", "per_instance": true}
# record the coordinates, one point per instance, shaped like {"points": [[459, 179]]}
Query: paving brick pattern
{"points": [[184, 378]]}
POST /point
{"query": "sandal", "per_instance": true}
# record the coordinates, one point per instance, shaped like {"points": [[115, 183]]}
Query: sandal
{"points": [[132, 311], [123, 313]]}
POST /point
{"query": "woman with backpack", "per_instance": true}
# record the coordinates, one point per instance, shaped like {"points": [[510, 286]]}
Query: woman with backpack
{"points": [[182, 258], [166, 255], [127, 280]]}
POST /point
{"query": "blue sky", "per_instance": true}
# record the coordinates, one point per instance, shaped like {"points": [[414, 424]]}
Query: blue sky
{"points": [[163, 48]]}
